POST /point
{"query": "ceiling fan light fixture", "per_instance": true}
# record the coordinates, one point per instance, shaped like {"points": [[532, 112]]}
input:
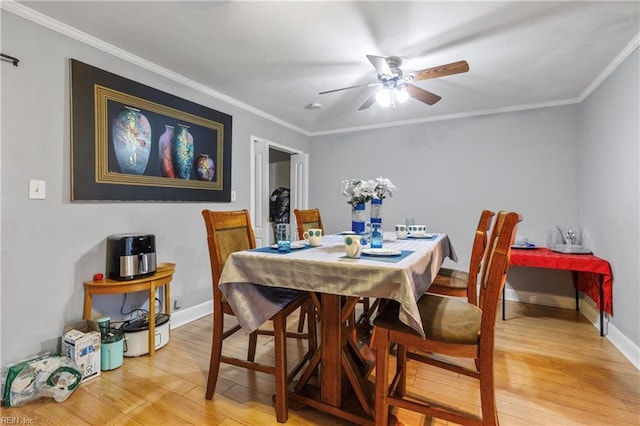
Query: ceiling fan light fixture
{"points": [[402, 93], [383, 97]]}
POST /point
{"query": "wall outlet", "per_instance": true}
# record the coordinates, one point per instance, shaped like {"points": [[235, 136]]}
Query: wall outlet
{"points": [[177, 303]]}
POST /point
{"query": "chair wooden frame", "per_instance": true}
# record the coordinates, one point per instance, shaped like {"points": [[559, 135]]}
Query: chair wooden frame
{"points": [[237, 225], [452, 282], [394, 393], [307, 219]]}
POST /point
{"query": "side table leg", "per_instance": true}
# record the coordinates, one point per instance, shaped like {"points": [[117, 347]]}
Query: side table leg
{"points": [[601, 295], [167, 299], [88, 304], [152, 319], [574, 279]]}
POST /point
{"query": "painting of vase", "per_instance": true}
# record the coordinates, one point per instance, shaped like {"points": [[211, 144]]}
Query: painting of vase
{"points": [[131, 140], [205, 167], [164, 151], [182, 152]]}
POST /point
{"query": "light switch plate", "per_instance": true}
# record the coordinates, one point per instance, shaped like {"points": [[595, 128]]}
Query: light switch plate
{"points": [[37, 190], [233, 195]]}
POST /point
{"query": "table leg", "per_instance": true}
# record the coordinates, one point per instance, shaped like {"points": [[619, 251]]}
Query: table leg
{"points": [[503, 305], [341, 374], [88, 304], [601, 296], [152, 319], [167, 299], [332, 341]]}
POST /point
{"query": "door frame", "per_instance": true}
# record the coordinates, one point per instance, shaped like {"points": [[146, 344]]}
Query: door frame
{"points": [[252, 169]]}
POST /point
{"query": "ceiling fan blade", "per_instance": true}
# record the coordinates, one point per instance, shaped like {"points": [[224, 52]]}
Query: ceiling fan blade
{"points": [[441, 70], [343, 88], [380, 64], [370, 100], [350, 87], [422, 95]]}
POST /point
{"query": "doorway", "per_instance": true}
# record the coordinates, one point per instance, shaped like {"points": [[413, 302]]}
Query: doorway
{"points": [[273, 166]]}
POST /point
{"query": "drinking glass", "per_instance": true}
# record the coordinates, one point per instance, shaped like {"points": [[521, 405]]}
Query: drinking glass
{"points": [[283, 236], [409, 221]]}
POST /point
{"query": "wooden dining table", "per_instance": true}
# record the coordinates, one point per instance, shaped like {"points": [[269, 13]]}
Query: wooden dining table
{"points": [[250, 280]]}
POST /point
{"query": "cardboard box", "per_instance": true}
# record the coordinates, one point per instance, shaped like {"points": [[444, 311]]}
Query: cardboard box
{"points": [[81, 343]]}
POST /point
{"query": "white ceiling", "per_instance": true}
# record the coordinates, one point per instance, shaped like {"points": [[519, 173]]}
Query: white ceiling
{"points": [[275, 57]]}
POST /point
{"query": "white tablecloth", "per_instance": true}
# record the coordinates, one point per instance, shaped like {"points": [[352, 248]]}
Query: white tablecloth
{"points": [[325, 269]]}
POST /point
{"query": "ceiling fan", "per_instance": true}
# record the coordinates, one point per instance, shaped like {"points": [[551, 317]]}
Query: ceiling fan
{"points": [[394, 85]]}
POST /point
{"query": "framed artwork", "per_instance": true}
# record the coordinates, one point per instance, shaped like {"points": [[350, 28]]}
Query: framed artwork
{"points": [[131, 142]]}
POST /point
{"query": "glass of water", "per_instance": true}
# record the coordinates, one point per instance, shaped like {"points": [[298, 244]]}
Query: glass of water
{"points": [[283, 237]]}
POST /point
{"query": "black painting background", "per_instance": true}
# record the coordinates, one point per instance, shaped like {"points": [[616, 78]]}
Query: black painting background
{"points": [[84, 185]]}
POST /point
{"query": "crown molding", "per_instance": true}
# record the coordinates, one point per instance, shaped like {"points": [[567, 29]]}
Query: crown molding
{"points": [[613, 65]]}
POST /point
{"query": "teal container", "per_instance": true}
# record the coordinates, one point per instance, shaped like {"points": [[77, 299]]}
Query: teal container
{"points": [[112, 350]]}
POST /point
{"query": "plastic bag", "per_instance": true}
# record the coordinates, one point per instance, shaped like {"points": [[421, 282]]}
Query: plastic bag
{"points": [[279, 205], [49, 376]]}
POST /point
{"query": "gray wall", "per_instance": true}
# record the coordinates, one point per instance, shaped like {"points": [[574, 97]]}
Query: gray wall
{"points": [[610, 186], [49, 247], [556, 166], [447, 172]]}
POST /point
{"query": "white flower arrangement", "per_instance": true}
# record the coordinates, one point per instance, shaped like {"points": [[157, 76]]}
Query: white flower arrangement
{"points": [[384, 187], [360, 191]]}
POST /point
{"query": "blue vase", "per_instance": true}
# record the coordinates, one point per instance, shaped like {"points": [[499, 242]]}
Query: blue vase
{"points": [[182, 152], [376, 211], [358, 218]]}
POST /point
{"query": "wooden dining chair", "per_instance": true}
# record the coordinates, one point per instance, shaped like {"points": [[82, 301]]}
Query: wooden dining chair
{"points": [[227, 232], [454, 328], [307, 219], [454, 282]]}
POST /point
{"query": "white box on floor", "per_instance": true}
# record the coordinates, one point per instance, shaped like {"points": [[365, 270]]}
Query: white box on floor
{"points": [[81, 343]]}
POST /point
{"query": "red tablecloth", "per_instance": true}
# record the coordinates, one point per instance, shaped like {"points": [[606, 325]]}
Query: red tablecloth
{"points": [[586, 270]]}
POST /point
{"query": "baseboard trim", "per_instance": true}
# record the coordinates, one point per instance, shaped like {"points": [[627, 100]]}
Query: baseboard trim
{"points": [[186, 315], [588, 309]]}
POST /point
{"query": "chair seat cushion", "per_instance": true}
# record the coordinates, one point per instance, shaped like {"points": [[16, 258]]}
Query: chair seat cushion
{"points": [[443, 319], [451, 278]]}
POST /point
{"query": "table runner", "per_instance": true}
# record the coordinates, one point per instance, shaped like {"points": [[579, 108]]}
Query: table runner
{"points": [[586, 269], [322, 269], [274, 250]]}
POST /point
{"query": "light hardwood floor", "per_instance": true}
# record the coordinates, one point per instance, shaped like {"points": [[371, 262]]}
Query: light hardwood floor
{"points": [[552, 368]]}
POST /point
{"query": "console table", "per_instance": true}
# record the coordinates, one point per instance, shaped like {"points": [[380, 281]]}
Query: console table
{"points": [[161, 278], [590, 274]]}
